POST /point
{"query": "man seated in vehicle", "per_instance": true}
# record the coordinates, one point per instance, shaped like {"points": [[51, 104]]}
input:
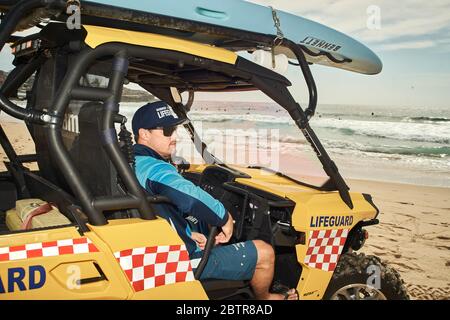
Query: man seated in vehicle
{"points": [[154, 127]]}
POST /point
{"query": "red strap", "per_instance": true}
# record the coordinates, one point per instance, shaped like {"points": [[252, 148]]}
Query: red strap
{"points": [[45, 208]]}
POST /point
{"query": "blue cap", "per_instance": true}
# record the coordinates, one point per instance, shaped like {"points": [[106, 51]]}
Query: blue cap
{"points": [[153, 115]]}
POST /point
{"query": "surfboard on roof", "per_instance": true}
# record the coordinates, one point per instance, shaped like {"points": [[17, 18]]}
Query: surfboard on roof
{"points": [[233, 24]]}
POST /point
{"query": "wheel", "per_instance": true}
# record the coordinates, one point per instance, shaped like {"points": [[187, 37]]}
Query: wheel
{"points": [[361, 277]]}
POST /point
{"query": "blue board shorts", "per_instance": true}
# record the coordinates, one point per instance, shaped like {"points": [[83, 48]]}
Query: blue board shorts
{"points": [[231, 262]]}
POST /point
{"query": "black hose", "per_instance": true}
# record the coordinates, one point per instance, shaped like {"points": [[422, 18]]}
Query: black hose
{"points": [[20, 74]]}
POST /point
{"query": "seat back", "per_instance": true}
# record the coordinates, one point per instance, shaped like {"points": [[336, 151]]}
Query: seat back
{"points": [[80, 133], [8, 195], [88, 154]]}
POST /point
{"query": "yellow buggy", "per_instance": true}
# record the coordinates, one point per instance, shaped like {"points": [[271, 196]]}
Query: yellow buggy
{"points": [[81, 227]]}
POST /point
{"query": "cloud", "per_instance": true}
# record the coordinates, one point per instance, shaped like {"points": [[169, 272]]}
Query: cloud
{"points": [[407, 45], [408, 21]]}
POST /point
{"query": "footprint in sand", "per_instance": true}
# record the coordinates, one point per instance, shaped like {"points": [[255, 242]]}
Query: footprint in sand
{"points": [[407, 266], [377, 247], [399, 227], [406, 215]]}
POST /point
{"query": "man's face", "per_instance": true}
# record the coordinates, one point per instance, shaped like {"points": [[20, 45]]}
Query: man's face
{"points": [[156, 140]]}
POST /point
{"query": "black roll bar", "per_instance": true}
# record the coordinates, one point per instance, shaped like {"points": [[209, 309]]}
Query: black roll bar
{"points": [[307, 75], [92, 94], [70, 89], [119, 203], [281, 95], [110, 142], [109, 135]]}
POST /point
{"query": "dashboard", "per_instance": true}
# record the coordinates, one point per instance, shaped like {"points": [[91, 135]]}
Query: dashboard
{"points": [[257, 213]]}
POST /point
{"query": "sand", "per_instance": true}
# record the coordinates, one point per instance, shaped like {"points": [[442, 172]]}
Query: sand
{"points": [[20, 139], [413, 235]]}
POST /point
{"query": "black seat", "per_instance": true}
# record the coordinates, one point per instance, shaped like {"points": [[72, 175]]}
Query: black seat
{"points": [[8, 195]]}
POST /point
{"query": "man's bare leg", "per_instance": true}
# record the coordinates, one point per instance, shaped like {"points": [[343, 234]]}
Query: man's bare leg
{"points": [[264, 274]]}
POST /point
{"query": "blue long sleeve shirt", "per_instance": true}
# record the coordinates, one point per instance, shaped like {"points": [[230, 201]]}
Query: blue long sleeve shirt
{"points": [[159, 177]]}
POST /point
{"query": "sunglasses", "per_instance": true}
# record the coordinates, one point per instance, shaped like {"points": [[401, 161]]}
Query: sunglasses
{"points": [[167, 131]]}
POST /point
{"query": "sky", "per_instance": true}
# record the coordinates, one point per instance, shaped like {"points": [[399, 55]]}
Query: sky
{"points": [[411, 37]]}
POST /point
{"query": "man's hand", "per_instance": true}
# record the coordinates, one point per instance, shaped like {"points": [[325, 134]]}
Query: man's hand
{"points": [[200, 239], [227, 231]]}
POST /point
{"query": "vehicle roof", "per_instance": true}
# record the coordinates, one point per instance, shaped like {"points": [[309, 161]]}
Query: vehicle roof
{"points": [[165, 73], [225, 70], [100, 35]]}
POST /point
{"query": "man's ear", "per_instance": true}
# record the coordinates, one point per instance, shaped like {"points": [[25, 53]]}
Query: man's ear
{"points": [[143, 134]]}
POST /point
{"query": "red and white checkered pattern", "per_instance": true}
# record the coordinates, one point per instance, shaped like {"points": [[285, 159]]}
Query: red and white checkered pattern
{"points": [[47, 249], [151, 267], [324, 248]]}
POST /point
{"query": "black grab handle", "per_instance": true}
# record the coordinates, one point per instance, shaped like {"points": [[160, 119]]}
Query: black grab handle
{"points": [[209, 245]]}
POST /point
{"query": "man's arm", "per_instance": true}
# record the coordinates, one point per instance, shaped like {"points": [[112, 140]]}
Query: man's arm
{"points": [[187, 197], [227, 231]]}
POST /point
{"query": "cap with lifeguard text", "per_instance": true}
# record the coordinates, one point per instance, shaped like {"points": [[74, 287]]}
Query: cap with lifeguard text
{"points": [[155, 115]]}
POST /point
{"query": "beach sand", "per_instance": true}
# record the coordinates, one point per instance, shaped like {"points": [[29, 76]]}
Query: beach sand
{"points": [[20, 139], [413, 235]]}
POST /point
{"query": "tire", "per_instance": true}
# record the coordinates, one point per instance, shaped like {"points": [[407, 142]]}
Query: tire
{"points": [[353, 273]]}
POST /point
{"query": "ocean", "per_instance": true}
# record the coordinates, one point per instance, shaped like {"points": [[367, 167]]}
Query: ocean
{"points": [[398, 144]]}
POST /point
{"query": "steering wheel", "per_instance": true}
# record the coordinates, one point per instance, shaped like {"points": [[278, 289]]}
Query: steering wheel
{"points": [[180, 163]]}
